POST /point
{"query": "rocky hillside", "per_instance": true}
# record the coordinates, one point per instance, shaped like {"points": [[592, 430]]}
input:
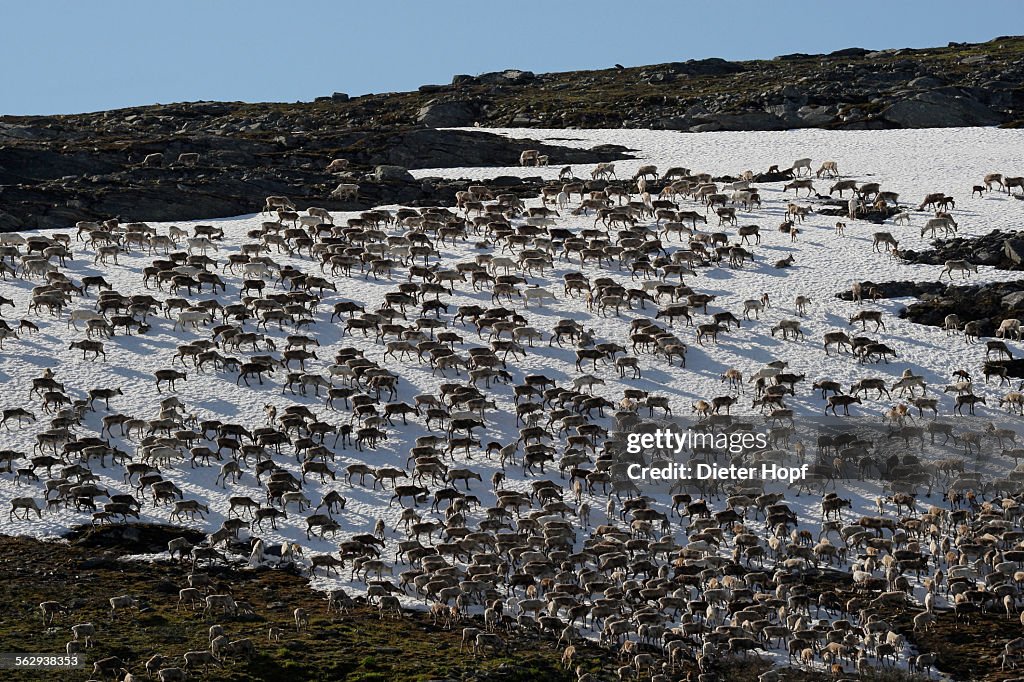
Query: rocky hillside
{"points": [[55, 170], [1002, 250], [854, 88]]}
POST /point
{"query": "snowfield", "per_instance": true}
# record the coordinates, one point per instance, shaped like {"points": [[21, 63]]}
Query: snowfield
{"points": [[912, 162]]}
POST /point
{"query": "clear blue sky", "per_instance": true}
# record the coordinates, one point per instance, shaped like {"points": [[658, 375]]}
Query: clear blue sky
{"points": [[89, 55]]}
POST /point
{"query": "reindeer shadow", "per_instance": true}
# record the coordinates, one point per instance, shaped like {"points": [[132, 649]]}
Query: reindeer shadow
{"points": [[129, 373], [218, 405]]}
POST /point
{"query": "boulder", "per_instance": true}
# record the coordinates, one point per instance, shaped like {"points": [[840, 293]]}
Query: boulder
{"points": [[1014, 250], [791, 57], [506, 77], [939, 110], [8, 223], [793, 92], [816, 116], [713, 66], [706, 127], [673, 123], [925, 82], [772, 177], [505, 181], [849, 52], [988, 257], [1013, 301], [391, 174], [748, 120], [447, 114]]}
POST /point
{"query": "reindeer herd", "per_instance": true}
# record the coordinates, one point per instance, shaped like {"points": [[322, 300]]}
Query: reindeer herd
{"points": [[496, 493]]}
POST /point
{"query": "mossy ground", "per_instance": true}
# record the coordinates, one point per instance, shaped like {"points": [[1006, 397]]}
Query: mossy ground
{"points": [[356, 646]]}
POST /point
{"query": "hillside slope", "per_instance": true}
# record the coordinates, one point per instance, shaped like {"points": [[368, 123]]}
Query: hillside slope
{"points": [[55, 170]]}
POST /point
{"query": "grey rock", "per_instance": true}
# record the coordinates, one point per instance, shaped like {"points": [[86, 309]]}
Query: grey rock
{"points": [[772, 177], [1015, 300], [523, 120], [8, 223], [751, 120], [674, 123], [706, 127], [1014, 250], [506, 77], [849, 52], [816, 116], [791, 57], [447, 114], [391, 174], [708, 67], [939, 110], [164, 587], [18, 132], [792, 92]]}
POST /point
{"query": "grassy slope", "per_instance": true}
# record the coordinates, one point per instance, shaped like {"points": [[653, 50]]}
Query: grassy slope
{"points": [[356, 646]]}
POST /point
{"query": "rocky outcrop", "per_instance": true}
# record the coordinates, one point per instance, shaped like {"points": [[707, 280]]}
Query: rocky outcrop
{"points": [[987, 304], [429, 148], [747, 120], [934, 109], [1000, 249], [1013, 249], [452, 114], [391, 174], [43, 185], [852, 88]]}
